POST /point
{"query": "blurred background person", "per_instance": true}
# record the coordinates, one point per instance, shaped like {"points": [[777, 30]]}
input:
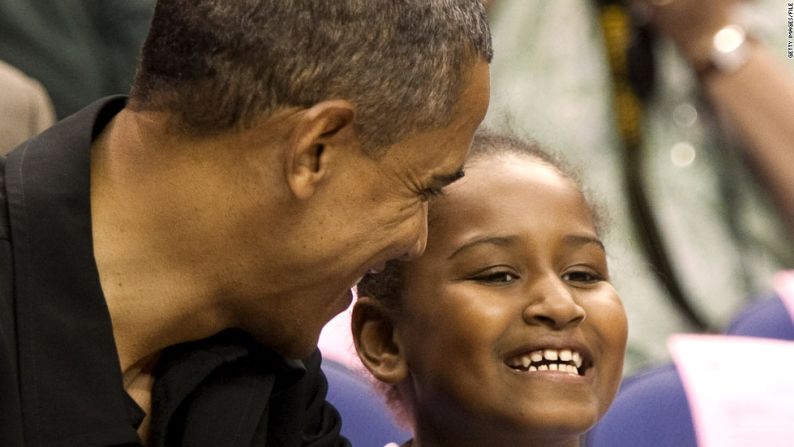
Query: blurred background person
{"points": [[25, 107], [80, 50], [719, 200]]}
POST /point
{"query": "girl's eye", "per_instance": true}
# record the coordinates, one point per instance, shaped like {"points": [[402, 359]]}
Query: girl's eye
{"points": [[582, 276], [504, 277]]}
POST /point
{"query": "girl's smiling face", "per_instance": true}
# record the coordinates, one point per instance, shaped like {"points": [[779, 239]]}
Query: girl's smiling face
{"points": [[508, 324]]}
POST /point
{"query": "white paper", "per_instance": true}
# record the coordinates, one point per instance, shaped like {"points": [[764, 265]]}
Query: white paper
{"points": [[740, 389], [784, 287]]}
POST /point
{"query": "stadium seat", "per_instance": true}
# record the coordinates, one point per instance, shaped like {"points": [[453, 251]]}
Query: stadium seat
{"points": [[366, 420]]}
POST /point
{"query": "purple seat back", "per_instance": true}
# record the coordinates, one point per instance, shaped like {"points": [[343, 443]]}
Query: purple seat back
{"points": [[651, 408], [366, 420]]}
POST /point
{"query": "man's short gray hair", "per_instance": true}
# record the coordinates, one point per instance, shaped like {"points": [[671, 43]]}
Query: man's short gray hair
{"points": [[218, 64]]}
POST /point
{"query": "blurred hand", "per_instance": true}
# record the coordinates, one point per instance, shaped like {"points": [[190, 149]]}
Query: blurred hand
{"points": [[691, 24]]}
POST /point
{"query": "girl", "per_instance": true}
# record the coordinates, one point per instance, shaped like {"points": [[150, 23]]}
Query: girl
{"points": [[507, 331]]}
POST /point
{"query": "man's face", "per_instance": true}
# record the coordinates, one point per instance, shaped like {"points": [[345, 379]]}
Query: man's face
{"points": [[375, 209]]}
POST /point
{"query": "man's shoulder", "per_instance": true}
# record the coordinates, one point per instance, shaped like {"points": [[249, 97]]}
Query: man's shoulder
{"points": [[5, 231], [77, 130], [10, 406]]}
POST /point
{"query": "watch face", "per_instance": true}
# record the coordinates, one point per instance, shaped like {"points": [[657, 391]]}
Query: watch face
{"points": [[729, 38], [729, 49]]}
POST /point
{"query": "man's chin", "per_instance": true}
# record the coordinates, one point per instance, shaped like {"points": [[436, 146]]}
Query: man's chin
{"points": [[295, 351], [299, 338], [295, 345]]}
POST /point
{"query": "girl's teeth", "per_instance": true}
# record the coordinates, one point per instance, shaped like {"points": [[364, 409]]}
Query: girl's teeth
{"points": [[563, 360]]}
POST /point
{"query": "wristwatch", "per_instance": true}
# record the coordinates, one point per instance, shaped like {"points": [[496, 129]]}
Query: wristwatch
{"points": [[730, 51]]}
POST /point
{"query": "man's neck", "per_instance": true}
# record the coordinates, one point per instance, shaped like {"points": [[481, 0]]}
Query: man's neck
{"points": [[157, 292], [174, 219]]}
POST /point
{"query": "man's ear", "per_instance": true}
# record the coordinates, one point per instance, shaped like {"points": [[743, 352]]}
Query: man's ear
{"points": [[328, 124], [377, 343]]}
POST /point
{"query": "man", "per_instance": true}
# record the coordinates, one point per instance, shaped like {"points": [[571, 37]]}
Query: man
{"points": [[171, 258]]}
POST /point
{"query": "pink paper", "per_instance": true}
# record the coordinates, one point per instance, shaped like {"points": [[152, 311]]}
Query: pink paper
{"points": [[740, 389], [784, 286]]}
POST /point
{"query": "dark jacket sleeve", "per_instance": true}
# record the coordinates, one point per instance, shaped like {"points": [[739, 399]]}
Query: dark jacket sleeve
{"points": [[302, 407], [228, 390], [10, 408], [323, 423]]}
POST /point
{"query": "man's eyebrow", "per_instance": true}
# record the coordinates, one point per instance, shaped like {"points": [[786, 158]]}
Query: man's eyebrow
{"points": [[491, 240], [445, 179], [583, 239]]}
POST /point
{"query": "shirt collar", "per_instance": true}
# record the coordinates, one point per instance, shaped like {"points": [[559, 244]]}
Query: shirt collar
{"points": [[71, 382]]}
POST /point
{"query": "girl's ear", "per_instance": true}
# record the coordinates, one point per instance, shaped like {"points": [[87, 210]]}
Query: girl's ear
{"points": [[377, 342]]}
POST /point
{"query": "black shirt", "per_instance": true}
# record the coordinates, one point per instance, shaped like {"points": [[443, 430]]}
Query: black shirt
{"points": [[60, 380]]}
